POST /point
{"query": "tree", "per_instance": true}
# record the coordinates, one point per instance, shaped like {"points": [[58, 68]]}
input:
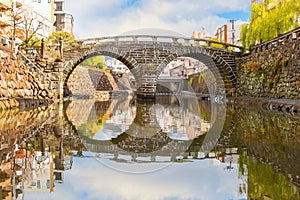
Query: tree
{"points": [[269, 19], [15, 15], [66, 37], [95, 61], [30, 26], [25, 24]]}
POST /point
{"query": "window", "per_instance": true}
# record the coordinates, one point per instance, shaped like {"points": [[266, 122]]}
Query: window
{"points": [[39, 184], [48, 183], [49, 1], [59, 6]]}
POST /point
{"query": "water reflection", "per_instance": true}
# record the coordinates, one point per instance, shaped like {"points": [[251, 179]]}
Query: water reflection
{"points": [[49, 154]]}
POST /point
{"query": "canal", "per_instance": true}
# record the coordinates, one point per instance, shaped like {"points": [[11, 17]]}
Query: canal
{"points": [[173, 148]]}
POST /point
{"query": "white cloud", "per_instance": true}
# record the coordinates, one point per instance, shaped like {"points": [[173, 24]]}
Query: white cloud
{"points": [[193, 180], [101, 17]]}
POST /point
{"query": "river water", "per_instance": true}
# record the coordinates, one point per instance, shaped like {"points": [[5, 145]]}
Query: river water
{"points": [[175, 148]]}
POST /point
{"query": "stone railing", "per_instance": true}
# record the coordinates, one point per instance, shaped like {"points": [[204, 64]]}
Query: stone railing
{"points": [[280, 40], [184, 41]]}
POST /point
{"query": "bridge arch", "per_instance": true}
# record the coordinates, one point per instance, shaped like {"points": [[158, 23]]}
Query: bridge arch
{"points": [[136, 54], [72, 64], [220, 63]]}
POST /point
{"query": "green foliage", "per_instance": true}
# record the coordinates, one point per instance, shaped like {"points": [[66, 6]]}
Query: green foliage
{"points": [[90, 129], [216, 45], [191, 80], [268, 20], [243, 36], [201, 78], [95, 61], [264, 182], [66, 37], [32, 42]]}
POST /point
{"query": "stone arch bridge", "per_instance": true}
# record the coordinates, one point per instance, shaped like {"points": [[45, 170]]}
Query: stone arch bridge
{"points": [[147, 55]]}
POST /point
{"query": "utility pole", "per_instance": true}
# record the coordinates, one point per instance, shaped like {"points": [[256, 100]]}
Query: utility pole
{"points": [[232, 29]]}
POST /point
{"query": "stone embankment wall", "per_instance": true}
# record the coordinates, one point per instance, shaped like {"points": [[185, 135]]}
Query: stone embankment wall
{"points": [[272, 138], [87, 82], [273, 71], [17, 82]]}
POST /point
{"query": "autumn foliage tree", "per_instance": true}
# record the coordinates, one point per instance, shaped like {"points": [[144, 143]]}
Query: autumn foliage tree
{"points": [[25, 25], [30, 26]]}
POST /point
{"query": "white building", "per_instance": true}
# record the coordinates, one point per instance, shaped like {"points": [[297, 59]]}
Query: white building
{"points": [[42, 14], [64, 20], [183, 66], [116, 66], [40, 177], [42, 7]]}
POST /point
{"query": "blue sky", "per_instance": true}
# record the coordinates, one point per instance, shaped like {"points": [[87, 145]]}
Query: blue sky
{"points": [[101, 17]]}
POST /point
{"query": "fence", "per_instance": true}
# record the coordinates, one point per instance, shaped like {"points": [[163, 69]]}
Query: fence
{"points": [[281, 39]]}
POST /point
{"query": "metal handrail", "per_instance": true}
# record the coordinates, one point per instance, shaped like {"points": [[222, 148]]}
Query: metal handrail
{"points": [[19, 53], [38, 70]]}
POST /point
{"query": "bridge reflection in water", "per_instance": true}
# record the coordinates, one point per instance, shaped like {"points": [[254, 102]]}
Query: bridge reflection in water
{"points": [[255, 149], [169, 127]]}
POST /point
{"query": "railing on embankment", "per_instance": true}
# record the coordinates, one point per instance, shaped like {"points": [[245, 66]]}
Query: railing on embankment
{"points": [[42, 81], [280, 40]]}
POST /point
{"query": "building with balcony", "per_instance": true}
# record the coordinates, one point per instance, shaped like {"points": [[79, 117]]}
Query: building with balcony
{"points": [[64, 20]]}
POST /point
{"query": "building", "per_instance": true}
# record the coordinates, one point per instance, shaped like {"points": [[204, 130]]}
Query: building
{"points": [[6, 18], [22, 18], [42, 13], [40, 176], [200, 34], [64, 20], [177, 123], [222, 34], [229, 33], [183, 66], [45, 8], [36, 18], [116, 65]]}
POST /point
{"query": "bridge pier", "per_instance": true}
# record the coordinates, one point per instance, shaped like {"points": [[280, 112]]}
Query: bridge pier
{"points": [[146, 79], [60, 81]]}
